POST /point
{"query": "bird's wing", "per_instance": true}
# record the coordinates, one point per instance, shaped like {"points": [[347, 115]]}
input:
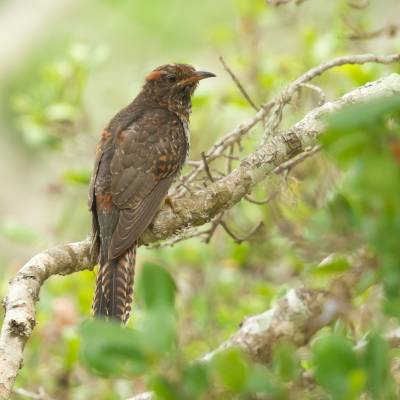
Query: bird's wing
{"points": [[148, 155], [103, 146], [104, 152]]}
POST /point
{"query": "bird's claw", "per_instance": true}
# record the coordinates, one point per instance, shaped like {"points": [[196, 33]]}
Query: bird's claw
{"points": [[170, 203]]}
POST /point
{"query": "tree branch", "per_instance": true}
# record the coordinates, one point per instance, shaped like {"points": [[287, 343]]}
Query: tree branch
{"points": [[19, 319]]}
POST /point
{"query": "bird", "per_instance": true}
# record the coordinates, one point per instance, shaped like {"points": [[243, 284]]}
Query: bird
{"points": [[138, 156]]}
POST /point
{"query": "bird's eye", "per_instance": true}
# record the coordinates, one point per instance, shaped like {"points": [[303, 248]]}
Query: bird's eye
{"points": [[171, 78]]}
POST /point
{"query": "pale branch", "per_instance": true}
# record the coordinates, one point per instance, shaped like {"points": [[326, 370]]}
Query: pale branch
{"points": [[337, 62], [41, 395], [317, 90], [203, 205], [19, 305]]}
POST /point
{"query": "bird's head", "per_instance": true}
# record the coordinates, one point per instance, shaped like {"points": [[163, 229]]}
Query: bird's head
{"points": [[172, 86]]}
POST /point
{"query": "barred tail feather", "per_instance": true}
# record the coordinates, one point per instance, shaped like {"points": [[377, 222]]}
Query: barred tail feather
{"points": [[114, 287]]}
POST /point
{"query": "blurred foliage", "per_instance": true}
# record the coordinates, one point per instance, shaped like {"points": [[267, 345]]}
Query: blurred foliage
{"points": [[192, 296], [50, 107], [364, 139]]}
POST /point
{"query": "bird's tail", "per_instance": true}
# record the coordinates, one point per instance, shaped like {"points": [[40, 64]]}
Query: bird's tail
{"points": [[114, 287]]}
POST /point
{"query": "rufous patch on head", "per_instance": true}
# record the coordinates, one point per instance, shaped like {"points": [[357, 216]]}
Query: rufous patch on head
{"points": [[153, 75]]}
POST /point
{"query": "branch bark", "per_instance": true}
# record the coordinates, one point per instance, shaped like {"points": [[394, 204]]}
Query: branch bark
{"points": [[193, 210], [19, 319]]}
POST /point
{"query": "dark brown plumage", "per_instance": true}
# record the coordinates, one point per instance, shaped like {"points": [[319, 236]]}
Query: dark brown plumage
{"points": [[138, 156]]}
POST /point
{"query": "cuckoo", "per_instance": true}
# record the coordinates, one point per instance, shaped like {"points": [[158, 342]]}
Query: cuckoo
{"points": [[140, 153]]}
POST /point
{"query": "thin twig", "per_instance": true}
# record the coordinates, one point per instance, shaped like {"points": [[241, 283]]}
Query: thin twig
{"points": [[287, 94], [180, 237], [214, 225], [318, 90], [230, 158], [238, 84], [238, 239], [206, 167], [359, 5], [390, 30], [30, 395], [276, 3], [297, 160], [262, 202]]}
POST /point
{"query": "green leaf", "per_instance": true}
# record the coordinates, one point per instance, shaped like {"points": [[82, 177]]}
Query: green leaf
{"points": [[331, 266], [261, 381], [164, 389], [362, 114], [60, 112], [337, 367], [231, 369], [156, 287], [195, 379], [376, 363], [14, 231], [110, 349], [159, 330], [72, 350], [285, 363]]}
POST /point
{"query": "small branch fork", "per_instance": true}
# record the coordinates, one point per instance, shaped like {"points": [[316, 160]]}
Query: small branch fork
{"points": [[193, 209], [219, 219]]}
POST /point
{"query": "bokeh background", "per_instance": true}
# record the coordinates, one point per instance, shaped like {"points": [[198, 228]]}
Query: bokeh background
{"points": [[68, 66]]}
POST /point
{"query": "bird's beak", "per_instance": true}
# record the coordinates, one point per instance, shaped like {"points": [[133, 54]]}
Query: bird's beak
{"points": [[203, 75], [197, 76]]}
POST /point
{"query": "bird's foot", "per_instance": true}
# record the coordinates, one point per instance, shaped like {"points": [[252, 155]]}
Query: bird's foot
{"points": [[170, 203]]}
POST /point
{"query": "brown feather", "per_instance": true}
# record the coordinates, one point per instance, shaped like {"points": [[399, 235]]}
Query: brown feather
{"points": [[114, 287], [139, 154]]}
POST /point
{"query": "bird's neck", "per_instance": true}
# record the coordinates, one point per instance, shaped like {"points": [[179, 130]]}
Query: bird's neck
{"points": [[179, 105]]}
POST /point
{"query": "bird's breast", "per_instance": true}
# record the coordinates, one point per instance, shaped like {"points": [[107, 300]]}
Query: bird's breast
{"points": [[186, 132]]}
